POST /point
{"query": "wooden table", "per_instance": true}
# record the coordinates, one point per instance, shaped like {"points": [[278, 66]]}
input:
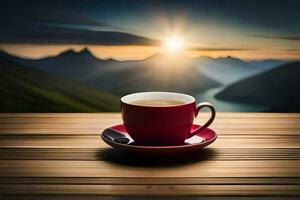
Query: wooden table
{"points": [[61, 156]]}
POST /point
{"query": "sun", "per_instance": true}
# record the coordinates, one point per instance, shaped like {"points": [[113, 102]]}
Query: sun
{"points": [[174, 44]]}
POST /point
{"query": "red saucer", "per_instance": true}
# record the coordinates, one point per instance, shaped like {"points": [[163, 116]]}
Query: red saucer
{"points": [[117, 137]]}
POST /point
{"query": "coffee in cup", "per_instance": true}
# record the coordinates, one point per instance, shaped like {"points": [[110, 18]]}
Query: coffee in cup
{"points": [[157, 102]]}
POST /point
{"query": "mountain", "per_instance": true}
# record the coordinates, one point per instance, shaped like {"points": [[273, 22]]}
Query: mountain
{"points": [[159, 72], [277, 89], [24, 89], [71, 64], [228, 69]]}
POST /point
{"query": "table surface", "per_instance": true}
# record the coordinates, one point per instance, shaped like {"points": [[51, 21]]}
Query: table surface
{"points": [[62, 156]]}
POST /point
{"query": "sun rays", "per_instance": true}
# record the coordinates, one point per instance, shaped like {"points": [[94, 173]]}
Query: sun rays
{"points": [[174, 44]]}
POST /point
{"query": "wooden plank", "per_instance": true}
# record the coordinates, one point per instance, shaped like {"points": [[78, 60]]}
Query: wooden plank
{"points": [[95, 119], [74, 126], [153, 190], [139, 168], [226, 123], [99, 115], [117, 118], [95, 154], [96, 142], [130, 197], [153, 180]]}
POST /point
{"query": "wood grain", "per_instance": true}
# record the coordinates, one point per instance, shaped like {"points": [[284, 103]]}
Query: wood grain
{"points": [[62, 156]]}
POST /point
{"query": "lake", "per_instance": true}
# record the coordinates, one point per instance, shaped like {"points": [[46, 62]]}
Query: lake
{"points": [[227, 106]]}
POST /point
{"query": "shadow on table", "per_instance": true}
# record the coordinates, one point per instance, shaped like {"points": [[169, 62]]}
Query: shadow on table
{"points": [[134, 159]]}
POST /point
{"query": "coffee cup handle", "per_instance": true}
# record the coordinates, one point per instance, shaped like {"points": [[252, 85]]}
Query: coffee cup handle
{"points": [[211, 119]]}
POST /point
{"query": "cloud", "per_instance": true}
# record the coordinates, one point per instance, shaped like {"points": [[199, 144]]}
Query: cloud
{"points": [[218, 49], [279, 37], [64, 27], [67, 18], [61, 17], [29, 33]]}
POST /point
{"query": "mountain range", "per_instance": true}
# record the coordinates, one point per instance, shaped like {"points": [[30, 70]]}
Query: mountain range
{"points": [[228, 69], [70, 64], [278, 89], [49, 84], [24, 89], [158, 72]]}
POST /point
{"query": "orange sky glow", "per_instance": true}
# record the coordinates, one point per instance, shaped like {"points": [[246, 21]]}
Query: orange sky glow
{"points": [[141, 52]]}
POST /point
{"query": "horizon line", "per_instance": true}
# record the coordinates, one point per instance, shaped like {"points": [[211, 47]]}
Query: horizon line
{"points": [[124, 60]]}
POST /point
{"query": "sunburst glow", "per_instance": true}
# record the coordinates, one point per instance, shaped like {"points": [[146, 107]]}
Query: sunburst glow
{"points": [[174, 44]]}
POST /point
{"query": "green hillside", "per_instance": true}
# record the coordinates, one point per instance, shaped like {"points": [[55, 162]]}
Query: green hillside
{"points": [[23, 89]]}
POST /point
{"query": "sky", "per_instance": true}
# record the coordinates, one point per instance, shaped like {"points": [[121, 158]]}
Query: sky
{"points": [[136, 29]]}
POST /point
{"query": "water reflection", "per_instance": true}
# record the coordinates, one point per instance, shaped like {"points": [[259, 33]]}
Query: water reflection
{"points": [[227, 106]]}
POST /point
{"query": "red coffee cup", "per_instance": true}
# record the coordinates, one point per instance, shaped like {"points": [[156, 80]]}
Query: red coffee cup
{"points": [[162, 125]]}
